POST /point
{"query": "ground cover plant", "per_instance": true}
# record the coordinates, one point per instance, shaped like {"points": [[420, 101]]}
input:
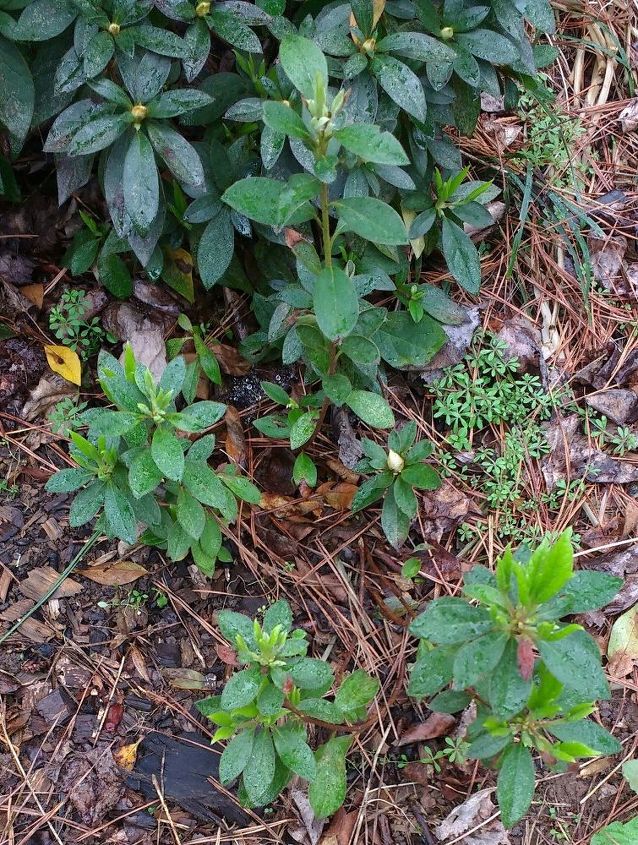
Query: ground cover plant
{"points": [[318, 421]]}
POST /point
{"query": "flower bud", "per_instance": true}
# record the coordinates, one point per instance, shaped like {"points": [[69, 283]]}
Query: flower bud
{"points": [[139, 113], [446, 33], [202, 8], [114, 28], [395, 462]]}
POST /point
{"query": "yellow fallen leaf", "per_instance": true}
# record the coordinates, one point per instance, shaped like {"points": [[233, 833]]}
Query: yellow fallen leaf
{"points": [[65, 362], [34, 293], [126, 756]]}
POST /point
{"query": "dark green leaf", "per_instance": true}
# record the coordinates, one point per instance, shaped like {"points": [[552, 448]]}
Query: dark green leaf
{"points": [[302, 429], [303, 62], [311, 674], [431, 672], [478, 657], [115, 275], [283, 119], [372, 408], [68, 480], [16, 90], [241, 689], [141, 183], [371, 144], [44, 19], [372, 219], [589, 733], [294, 751], [450, 620], [421, 476], [488, 45], [167, 453], [356, 691], [98, 134], [236, 755], [416, 45], [575, 661], [190, 514], [515, 786], [260, 769], [401, 84], [304, 469], [119, 514], [394, 522], [404, 343], [180, 157], [336, 303], [328, 790], [461, 256], [143, 474]]}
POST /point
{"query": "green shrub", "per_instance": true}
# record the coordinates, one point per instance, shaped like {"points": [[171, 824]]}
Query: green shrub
{"points": [[326, 144], [533, 677], [264, 707], [135, 469]]}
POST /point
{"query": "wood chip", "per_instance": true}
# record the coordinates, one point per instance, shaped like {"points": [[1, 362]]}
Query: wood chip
{"points": [[39, 580]]}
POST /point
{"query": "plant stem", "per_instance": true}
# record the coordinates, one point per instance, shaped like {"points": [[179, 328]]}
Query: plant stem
{"points": [[325, 226], [58, 581]]}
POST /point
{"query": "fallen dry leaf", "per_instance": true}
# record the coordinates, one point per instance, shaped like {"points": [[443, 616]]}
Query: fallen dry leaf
{"points": [[181, 678], [226, 654], [32, 629], [628, 117], [114, 574], [622, 649], [311, 831], [50, 390], [523, 342], [620, 405], [229, 359], [341, 828], [34, 293], [572, 456], [65, 362], [235, 443], [468, 815], [607, 258], [126, 756], [144, 332], [337, 495], [436, 724], [443, 510], [453, 351], [113, 717]]}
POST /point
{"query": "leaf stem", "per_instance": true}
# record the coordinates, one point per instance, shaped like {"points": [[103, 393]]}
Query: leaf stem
{"points": [[325, 226]]}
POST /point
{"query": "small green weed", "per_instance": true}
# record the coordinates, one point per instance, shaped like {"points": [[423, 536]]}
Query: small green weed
{"points": [[551, 138], [66, 415], [68, 324], [484, 389]]}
